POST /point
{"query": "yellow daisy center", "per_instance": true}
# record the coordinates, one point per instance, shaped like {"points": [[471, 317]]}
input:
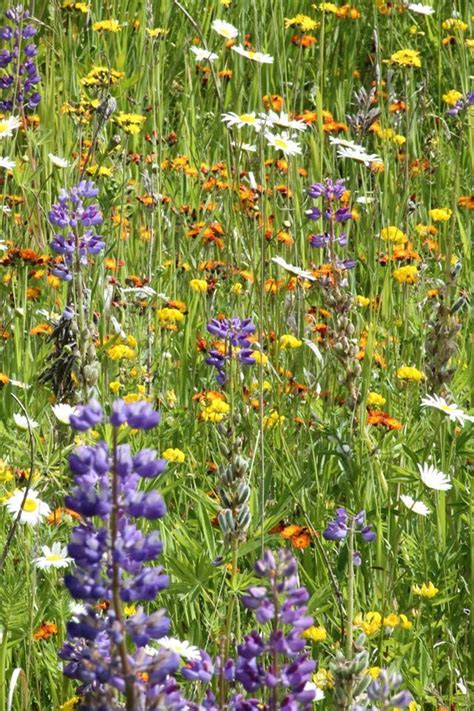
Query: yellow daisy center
{"points": [[281, 143], [53, 557], [30, 505], [247, 118]]}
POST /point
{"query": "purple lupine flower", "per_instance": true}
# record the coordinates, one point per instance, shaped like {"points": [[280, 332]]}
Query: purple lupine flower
{"points": [[72, 215], [235, 333], [383, 689], [461, 104], [21, 77], [110, 557], [338, 529], [333, 215]]}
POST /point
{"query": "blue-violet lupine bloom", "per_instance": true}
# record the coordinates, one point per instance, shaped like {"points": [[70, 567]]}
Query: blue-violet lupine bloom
{"points": [[461, 104], [77, 220], [105, 652], [20, 77], [338, 530], [234, 333], [383, 691], [332, 214]]}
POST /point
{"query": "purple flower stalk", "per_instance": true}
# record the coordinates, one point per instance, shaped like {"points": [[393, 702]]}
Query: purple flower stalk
{"points": [[235, 333], [20, 76], [77, 221], [105, 652], [461, 104], [338, 530]]}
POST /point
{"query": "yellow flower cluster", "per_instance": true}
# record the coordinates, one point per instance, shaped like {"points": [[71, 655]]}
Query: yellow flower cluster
{"points": [[406, 58], [393, 234], [407, 372], [107, 26], [440, 214], [290, 341], [426, 590], [323, 679], [198, 285], [406, 275], [315, 634], [305, 23], [102, 77], [130, 123], [375, 399], [6, 473], [174, 455], [452, 96], [215, 410], [273, 419], [168, 315], [123, 351], [373, 621], [454, 24]]}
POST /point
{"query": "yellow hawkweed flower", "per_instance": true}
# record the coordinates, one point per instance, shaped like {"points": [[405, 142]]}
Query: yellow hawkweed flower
{"points": [[452, 96], [115, 386], [362, 300], [315, 634], [426, 590], [305, 23], [199, 285], [289, 341], [6, 473], [107, 26], [440, 214], [453, 24], [406, 275], [273, 419], [327, 7], [174, 455], [375, 399], [323, 679], [121, 352], [406, 58], [373, 672], [168, 315], [391, 620], [259, 357], [370, 624], [130, 123], [393, 234], [157, 32], [407, 372], [215, 411]]}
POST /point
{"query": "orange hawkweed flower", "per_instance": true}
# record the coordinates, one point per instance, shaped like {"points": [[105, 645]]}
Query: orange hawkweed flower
{"points": [[273, 101], [45, 631], [466, 201], [377, 417]]}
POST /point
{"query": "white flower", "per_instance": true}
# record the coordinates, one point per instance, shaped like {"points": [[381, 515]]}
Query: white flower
{"points": [[365, 200], [18, 384], [421, 9], [62, 411], [8, 125], [454, 412], [349, 149], [58, 161], [182, 648], [282, 119], [225, 29], [54, 557], [260, 57], [7, 163], [24, 423], [416, 506], [203, 54], [284, 143], [292, 269], [249, 147], [77, 608], [32, 511], [434, 478], [241, 120]]}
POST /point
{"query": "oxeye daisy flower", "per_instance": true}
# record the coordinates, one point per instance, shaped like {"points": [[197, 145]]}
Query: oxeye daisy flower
{"points": [[282, 142], [225, 29], [23, 422], [417, 507], [353, 151], [54, 557], [282, 119], [33, 510], [7, 163], [454, 412], [8, 125], [420, 9], [259, 57], [180, 647], [240, 120], [293, 269], [58, 161], [63, 412], [203, 54], [434, 478]]}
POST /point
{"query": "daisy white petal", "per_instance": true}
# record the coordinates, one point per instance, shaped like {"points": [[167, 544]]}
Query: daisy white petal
{"points": [[434, 478], [225, 29], [33, 510], [259, 57], [54, 557], [454, 412], [58, 161], [282, 142], [7, 163], [8, 125], [182, 648], [203, 54], [23, 422], [416, 506], [421, 9], [293, 269]]}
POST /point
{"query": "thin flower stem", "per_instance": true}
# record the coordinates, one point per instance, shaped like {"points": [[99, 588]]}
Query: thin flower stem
{"points": [[350, 591]]}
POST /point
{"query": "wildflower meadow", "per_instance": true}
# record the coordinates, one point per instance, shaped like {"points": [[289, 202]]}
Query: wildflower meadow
{"points": [[236, 372]]}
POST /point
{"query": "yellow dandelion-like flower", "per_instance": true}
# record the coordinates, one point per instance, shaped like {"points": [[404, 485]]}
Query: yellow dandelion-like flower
{"points": [[440, 214], [406, 58], [406, 275], [452, 96], [174, 455], [315, 634], [130, 123], [375, 399], [168, 315], [198, 285], [454, 24], [393, 234], [273, 419], [289, 341], [107, 26], [121, 352], [407, 372]]}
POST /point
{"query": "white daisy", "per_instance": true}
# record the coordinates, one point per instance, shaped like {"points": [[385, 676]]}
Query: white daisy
{"points": [[77, 608], [349, 149], [58, 161], [282, 119], [62, 411], [260, 57], [454, 412], [8, 125], [249, 147], [293, 269], [421, 9], [203, 54], [225, 29], [182, 648], [32, 511], [416, 506], [282, 142], [24, 423], [54, 557], [434, 478], [240, 120], [7, 163]]}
